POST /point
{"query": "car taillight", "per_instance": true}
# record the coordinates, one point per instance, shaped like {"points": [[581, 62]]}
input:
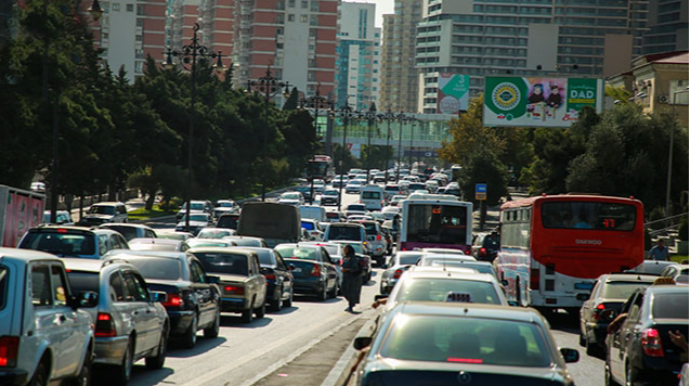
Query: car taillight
{"points": [[378, 237], [597, 311], [482, 251], [651, 343], [316, 271], [9, 348], [534, 279], [397, 274], [105, 325], [173, 300], [233, 290], [270, 276]]}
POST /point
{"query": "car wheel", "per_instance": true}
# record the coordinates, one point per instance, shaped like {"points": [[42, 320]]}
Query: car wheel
{"points": [[248, 315], [322, 295], [84, 377], [608, 378], [40, 377], [277, 304], [213, 331], [261, 311], [591, 349], [123, 372], [157, 362], [189, 337], [582, 341], [288, 302], [333, 294]]}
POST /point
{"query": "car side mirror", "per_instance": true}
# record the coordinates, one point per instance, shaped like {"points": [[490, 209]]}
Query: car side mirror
{"points": [[159, 297], [361, 342], [504, 282], [380, 296], [570, 355], [86, 299], [608, 315], [213, 279]]}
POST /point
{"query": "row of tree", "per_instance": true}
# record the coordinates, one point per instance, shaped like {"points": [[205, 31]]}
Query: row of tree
{"points": [[113, 133], [620, 152]]}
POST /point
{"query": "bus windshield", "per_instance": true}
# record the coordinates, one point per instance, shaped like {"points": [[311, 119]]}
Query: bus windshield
{"points": [[437, 223], [588, 215]]}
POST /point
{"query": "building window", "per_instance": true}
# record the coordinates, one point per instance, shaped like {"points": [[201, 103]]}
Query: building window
{"points": [[140, 22], [305, 4], [140, 10], [313, 20], [279, 31], [314, 6], [130, 7], [312, 62], [139, 38], [139, 54], [280, 4], [116, 7], [105, 36], [139, 67], [291, 3], [312, 32], [279, 46], [311, 76], [303, 18], [291, 17]]}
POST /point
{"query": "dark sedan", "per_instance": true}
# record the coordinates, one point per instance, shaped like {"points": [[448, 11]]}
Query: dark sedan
{"points": [[279, 279], [468, 344], [193, 297], [313, 271], [641, 350]]}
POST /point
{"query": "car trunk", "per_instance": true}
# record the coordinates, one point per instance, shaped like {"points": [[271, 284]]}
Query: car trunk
{"points": [[303, 268], [439, 377], [672, 352], [270, 221]]}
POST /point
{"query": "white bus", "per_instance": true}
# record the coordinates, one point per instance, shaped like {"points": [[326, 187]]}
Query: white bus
{"points": [[436, 221]]}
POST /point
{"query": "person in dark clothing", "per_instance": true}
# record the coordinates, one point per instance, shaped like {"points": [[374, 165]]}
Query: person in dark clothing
{"points": [[537, 94], [554, 100], [352, 277]]}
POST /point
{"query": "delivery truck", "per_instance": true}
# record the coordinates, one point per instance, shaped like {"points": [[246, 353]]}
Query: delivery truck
{"points": [[20, 210]]}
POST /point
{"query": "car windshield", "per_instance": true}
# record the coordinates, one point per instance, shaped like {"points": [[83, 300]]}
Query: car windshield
{"points": [[102, 209], [409, 259], [371, 195], [225, 205], [290, 196], [158, 269], [196, 217], [356, 207], [621, 289], [344, 233], [266, 257], [197, 206], [437, 223], [213, 234], [298, 253], [81, 281], [58, 243], [465, 340], [4, 280], [331, 193], [670, 306], [439, 290], [128, 232], [588, 215], [224, 263]]}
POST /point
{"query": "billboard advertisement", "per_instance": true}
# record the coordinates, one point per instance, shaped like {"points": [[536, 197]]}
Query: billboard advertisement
{"points": [[453, 93], [539, 102]]}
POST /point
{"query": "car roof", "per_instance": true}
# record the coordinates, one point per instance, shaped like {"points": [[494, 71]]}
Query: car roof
{"points": [[667, 289], [127, 254], [629, 277], [238, 237], [153, 240], [480, 310], [90, 265], [108, 203], [124, 224], [25, 254], [233, 250], [294, 245], [347, 224], [467, 274]]}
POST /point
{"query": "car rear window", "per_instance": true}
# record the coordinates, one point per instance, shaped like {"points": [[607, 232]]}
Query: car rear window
{"points": [[102, 209], [356, 207], [128, 232], [60, 243], [298, 253], [438, 290], [227, 222], [4, 279], [453, 339], [344, 233], [670, 306], [158, 269], [621, 289], [80, 281], [409, 259], [224, 263], [371, 195]]}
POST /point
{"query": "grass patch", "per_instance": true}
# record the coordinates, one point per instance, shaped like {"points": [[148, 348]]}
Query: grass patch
{"points": [[142, 214], [678, 258]]}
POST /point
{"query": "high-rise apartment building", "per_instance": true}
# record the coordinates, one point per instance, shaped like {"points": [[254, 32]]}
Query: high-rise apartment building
{"points": [[129, 31], [297, 38], [215, 19], [358, 61], [398, 72], [668, 27], [545, 38]]}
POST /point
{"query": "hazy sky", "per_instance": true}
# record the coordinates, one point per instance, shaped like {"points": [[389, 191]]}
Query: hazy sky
{"points": [[382, 6]]}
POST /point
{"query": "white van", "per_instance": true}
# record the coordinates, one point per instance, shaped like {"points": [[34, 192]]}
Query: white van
{"points": [[372, 197], [313, 212]]}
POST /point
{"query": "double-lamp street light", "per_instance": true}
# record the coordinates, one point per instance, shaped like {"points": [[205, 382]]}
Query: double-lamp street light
{"points": [[189, 55], [316, 102], [670, 154], [346, 113]]}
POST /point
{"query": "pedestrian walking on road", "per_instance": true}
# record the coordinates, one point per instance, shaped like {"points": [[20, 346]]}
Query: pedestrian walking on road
{"points": [[659, 252], [352, 277]]}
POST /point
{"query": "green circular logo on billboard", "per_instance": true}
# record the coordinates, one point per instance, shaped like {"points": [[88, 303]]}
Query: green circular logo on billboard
{"points": [[506, 96]]}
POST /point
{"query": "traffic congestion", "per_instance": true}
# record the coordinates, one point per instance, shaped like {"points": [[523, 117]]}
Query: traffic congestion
{"points": [[390, 267]]}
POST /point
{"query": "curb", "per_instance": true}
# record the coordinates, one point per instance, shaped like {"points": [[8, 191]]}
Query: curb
{"points": [[340, 374]]}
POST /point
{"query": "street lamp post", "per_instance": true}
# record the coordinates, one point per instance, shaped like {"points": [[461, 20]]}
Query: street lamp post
{"points": [[316, 102], [270, 86], [369, 116], [189, 55], [414, 121], [403, 118], [387, 116], [670, 155], [346, 113]]}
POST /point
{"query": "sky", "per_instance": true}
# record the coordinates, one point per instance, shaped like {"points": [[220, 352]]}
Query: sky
{"points": [[382, 6]]}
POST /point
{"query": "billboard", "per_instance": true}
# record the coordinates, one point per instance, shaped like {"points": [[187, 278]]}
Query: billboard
{"points": [[539, 102], [453, 93]]}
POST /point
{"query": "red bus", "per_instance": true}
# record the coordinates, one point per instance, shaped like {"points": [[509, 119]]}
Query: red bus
{"points": [[554, 247]]}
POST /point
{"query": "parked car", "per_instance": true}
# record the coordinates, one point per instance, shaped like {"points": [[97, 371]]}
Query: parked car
{"points": [[390, 212], [392, 190], [243, 287], [131, 231], [147, 244], [313, 271], [305, 190], [62, 217], [641, 350], [215, 233], [279, 279], [131, 323], [330, 197], [397, 265], [335, 251], [228, 221], [193, 297], [472, 344], [73, 241], [291, 198], [104, 212], [197, 222], [609, 293], [195, 206], [379, 177], [45, 335], [334, 217], [679, 273], [485, 246]]}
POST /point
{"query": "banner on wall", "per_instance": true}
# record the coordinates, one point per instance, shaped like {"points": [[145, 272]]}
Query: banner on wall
{"points": [[453, 93], [539, 102]]}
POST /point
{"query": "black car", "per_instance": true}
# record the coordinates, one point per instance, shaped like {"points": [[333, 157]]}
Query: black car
{"points": [[228, 221], [330, 197], [313, 272], [193, 297], [279, 278], [641, 350], [306, 191], [485, 246]]}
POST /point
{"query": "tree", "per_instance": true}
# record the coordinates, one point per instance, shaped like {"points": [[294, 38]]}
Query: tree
{"points": [[376, 155], [292, 101], [484, 167]]}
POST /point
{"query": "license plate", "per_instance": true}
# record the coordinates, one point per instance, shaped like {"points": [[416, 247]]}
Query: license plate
{"points": [[584, 286]]}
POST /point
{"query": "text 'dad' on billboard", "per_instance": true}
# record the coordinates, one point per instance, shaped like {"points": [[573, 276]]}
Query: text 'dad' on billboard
{"points": [[453, 93], [539, 102]]}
